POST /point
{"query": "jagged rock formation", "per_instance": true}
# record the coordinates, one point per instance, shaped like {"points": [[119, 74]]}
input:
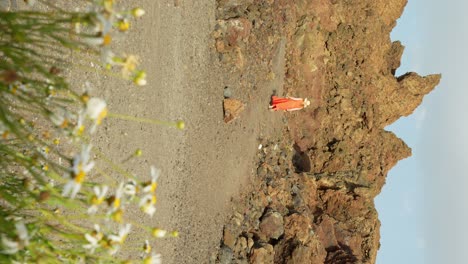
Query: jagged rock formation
{"points": [[321, 192]]}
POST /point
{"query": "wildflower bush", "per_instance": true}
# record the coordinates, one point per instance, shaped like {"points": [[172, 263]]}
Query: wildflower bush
{"points": [[58, 204]]}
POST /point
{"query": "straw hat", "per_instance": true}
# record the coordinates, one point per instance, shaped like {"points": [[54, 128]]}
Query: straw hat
{"points": [[306, 102]]}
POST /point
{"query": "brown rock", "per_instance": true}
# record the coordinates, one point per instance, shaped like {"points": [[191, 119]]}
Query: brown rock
{"points": [[297, 226], [271, 225], [300, 255], [229, 239], [402, 97], [241, 246], [237, 29], [250, 243], [394, 56], [232, 109], [261, 256], [232, 32], [326, 232]]}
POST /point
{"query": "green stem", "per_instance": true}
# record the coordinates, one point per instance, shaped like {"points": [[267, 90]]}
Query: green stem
{"points": [[144, 120]]}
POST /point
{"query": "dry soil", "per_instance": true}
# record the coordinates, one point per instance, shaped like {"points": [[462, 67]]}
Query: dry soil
{"points": [[205, 165]]}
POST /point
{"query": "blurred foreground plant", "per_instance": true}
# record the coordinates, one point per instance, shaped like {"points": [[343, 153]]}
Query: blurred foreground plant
{"points": [[51, 210]]}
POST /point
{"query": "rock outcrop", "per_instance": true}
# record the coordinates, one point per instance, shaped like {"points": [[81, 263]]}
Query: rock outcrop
{"points": [[312, 200]]}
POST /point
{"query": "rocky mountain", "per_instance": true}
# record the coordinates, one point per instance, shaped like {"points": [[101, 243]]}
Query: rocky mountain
{"points": [[312, 200]]}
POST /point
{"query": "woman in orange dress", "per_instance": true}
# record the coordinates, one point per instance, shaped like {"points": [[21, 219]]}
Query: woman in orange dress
{"points": [[288, 103]]}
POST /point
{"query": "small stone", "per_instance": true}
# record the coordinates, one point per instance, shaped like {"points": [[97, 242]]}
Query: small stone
{"points": [[238, 218], [227, 92], [272, 225], [269, 248], [261, 171], [229, 239], [225, 255], [250, 243], [261, 256], [241, 245], [220, 47]]}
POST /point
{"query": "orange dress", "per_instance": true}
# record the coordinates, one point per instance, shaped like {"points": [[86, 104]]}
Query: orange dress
{"points": [[286, 104]]}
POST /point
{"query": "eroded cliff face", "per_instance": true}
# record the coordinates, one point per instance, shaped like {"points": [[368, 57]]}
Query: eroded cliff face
{"points": [[312, 200]]}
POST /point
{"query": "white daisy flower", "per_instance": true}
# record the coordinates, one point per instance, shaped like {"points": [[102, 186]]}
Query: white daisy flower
{"points": [[107, 57], [93, 243], [96, 110], [104, 25], [123, 233], [94, 238], [151, 186], [79, 128], [117, 201], [81, 166], [98, 198], [147, 247], [61, 118], [130, 189], [147, 204]]}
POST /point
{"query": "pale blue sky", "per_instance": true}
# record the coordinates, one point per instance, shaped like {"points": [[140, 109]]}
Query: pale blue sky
{"points": [[423, 206]]}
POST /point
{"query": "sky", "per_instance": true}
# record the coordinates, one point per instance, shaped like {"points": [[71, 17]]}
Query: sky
{"points": [[422, 206]]}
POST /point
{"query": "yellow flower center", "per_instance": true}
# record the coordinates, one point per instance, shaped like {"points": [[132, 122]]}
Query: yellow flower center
{"points": [[80, 176], [117, 216], [147, 248], [84, 98], [96, 201], [154, 185], [116, 203], [101, 116], [107, 40], [122, 239], [13, 89], [104, 243], [124, 25], [64, 124], [80, 130]]}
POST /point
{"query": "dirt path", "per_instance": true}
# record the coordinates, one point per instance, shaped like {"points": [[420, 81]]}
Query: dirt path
{"points": [[205, 165]]}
